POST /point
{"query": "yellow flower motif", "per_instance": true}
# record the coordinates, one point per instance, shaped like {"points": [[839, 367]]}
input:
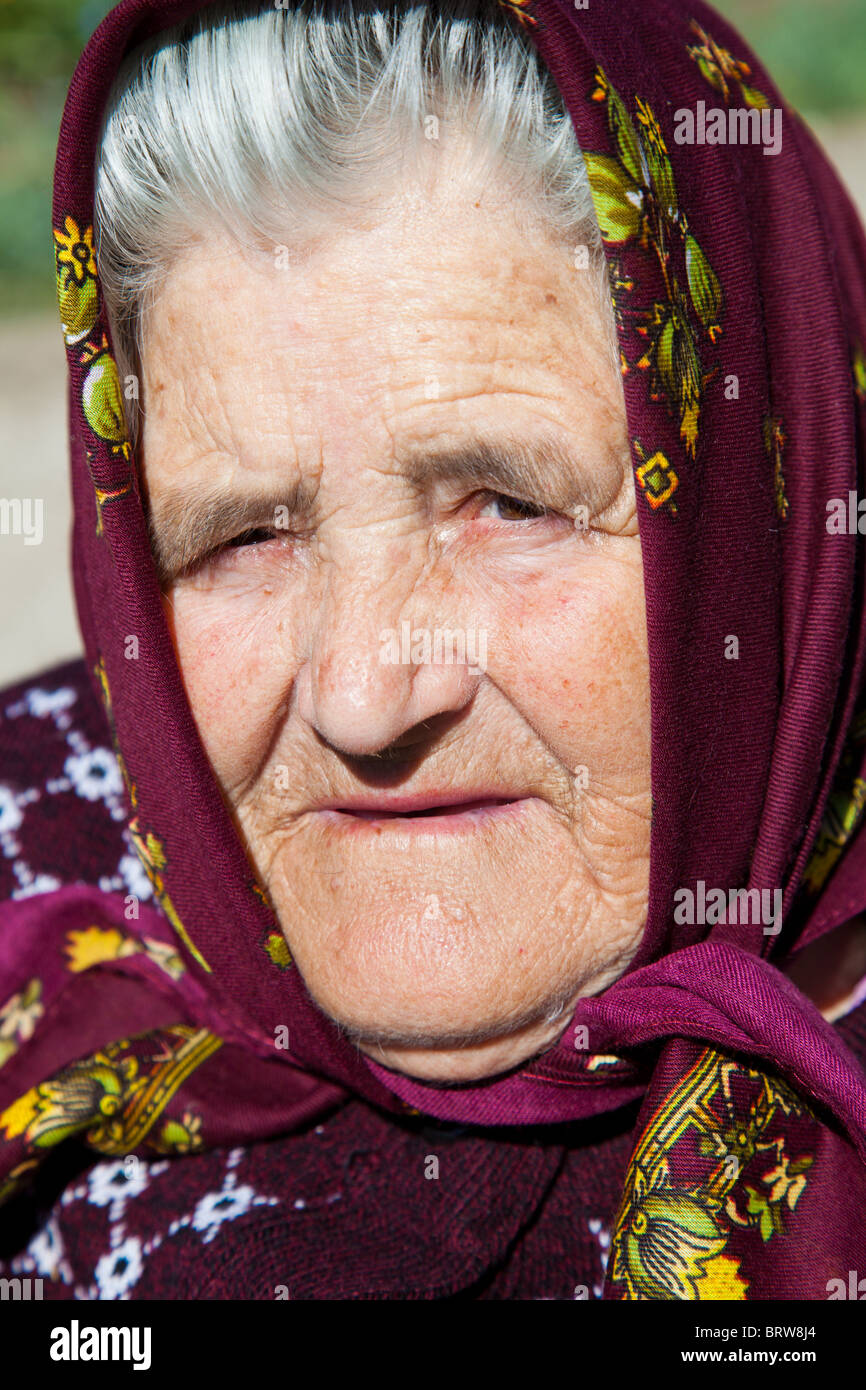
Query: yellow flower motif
{"points": [[181, 1136], [74, 251], [114, 1097], [722, 70], [721, 1281], [20, 1014], [787, 1186], [82, 1094], [18, 1116], [602, 86], [95, 945], [278, 950], [653, 130], [165, 956], [667, 1240]]}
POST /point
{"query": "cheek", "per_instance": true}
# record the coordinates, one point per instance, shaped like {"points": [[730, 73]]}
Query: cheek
{"points": [[566, 648], [570, 653], [235, 656]]}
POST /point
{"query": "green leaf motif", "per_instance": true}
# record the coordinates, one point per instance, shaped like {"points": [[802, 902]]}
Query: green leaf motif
{"points": [[624, 133], [662, 179], [683, 1212], [704, 287], [801, 1165], [656, 161], [618, 199], [752, 97], [711, 73], [79, 306], [673, 359], [769, 1216], [173, 1134], [102, 402]]}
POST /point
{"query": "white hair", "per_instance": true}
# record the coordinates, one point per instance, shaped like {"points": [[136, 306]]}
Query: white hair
{"points": [[279, 120]]}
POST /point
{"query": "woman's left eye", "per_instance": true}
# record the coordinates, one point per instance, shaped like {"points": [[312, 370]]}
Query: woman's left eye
{"points": [[253, 537], [512, 508]]}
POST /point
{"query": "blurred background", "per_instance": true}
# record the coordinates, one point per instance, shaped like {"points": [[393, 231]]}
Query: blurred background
{"points": [[814, 49]]}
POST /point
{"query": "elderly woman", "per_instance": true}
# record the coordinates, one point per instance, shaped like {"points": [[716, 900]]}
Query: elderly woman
{"points": [[467, 418]]}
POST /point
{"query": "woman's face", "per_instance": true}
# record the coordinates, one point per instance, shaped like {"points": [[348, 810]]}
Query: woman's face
{"points": [[421, 681]]}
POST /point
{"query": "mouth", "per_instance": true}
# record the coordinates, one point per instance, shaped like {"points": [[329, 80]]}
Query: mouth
{"points": [[426, 815], [449, 809]]}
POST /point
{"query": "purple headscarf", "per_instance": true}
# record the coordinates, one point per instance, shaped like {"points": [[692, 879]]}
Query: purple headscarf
{"points": [[739, 284]]}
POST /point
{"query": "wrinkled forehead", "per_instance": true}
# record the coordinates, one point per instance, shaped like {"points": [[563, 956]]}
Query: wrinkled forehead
{"points": [[396, 353]]}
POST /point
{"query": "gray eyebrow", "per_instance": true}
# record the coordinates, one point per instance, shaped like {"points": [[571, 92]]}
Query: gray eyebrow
{"points": [[186, 528], [543, 467]]}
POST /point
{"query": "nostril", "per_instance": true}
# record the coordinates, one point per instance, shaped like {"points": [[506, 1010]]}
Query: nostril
{"points": [[419, 733]]}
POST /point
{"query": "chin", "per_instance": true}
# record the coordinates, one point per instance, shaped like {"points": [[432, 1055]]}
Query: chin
{"points": [[452, 1063]]}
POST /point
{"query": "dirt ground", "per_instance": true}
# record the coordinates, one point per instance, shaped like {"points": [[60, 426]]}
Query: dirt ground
{"points": [[37, 614]]}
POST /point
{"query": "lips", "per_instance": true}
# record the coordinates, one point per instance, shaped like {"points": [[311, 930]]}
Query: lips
{"points": [[446, 808], [446, 812]]}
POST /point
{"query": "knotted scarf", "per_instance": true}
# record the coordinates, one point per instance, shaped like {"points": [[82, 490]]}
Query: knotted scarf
{"points": [[738, 279]]}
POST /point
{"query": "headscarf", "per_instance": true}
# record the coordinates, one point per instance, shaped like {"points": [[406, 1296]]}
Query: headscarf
{"points": [[738, 280]]}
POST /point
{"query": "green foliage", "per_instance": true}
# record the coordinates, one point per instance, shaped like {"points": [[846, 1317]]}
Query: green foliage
{"points": [[815, 52], [40, 43], [41, 40]]}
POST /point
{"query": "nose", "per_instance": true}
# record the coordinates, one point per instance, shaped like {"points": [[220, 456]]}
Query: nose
{"points": [[366, 685]]}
